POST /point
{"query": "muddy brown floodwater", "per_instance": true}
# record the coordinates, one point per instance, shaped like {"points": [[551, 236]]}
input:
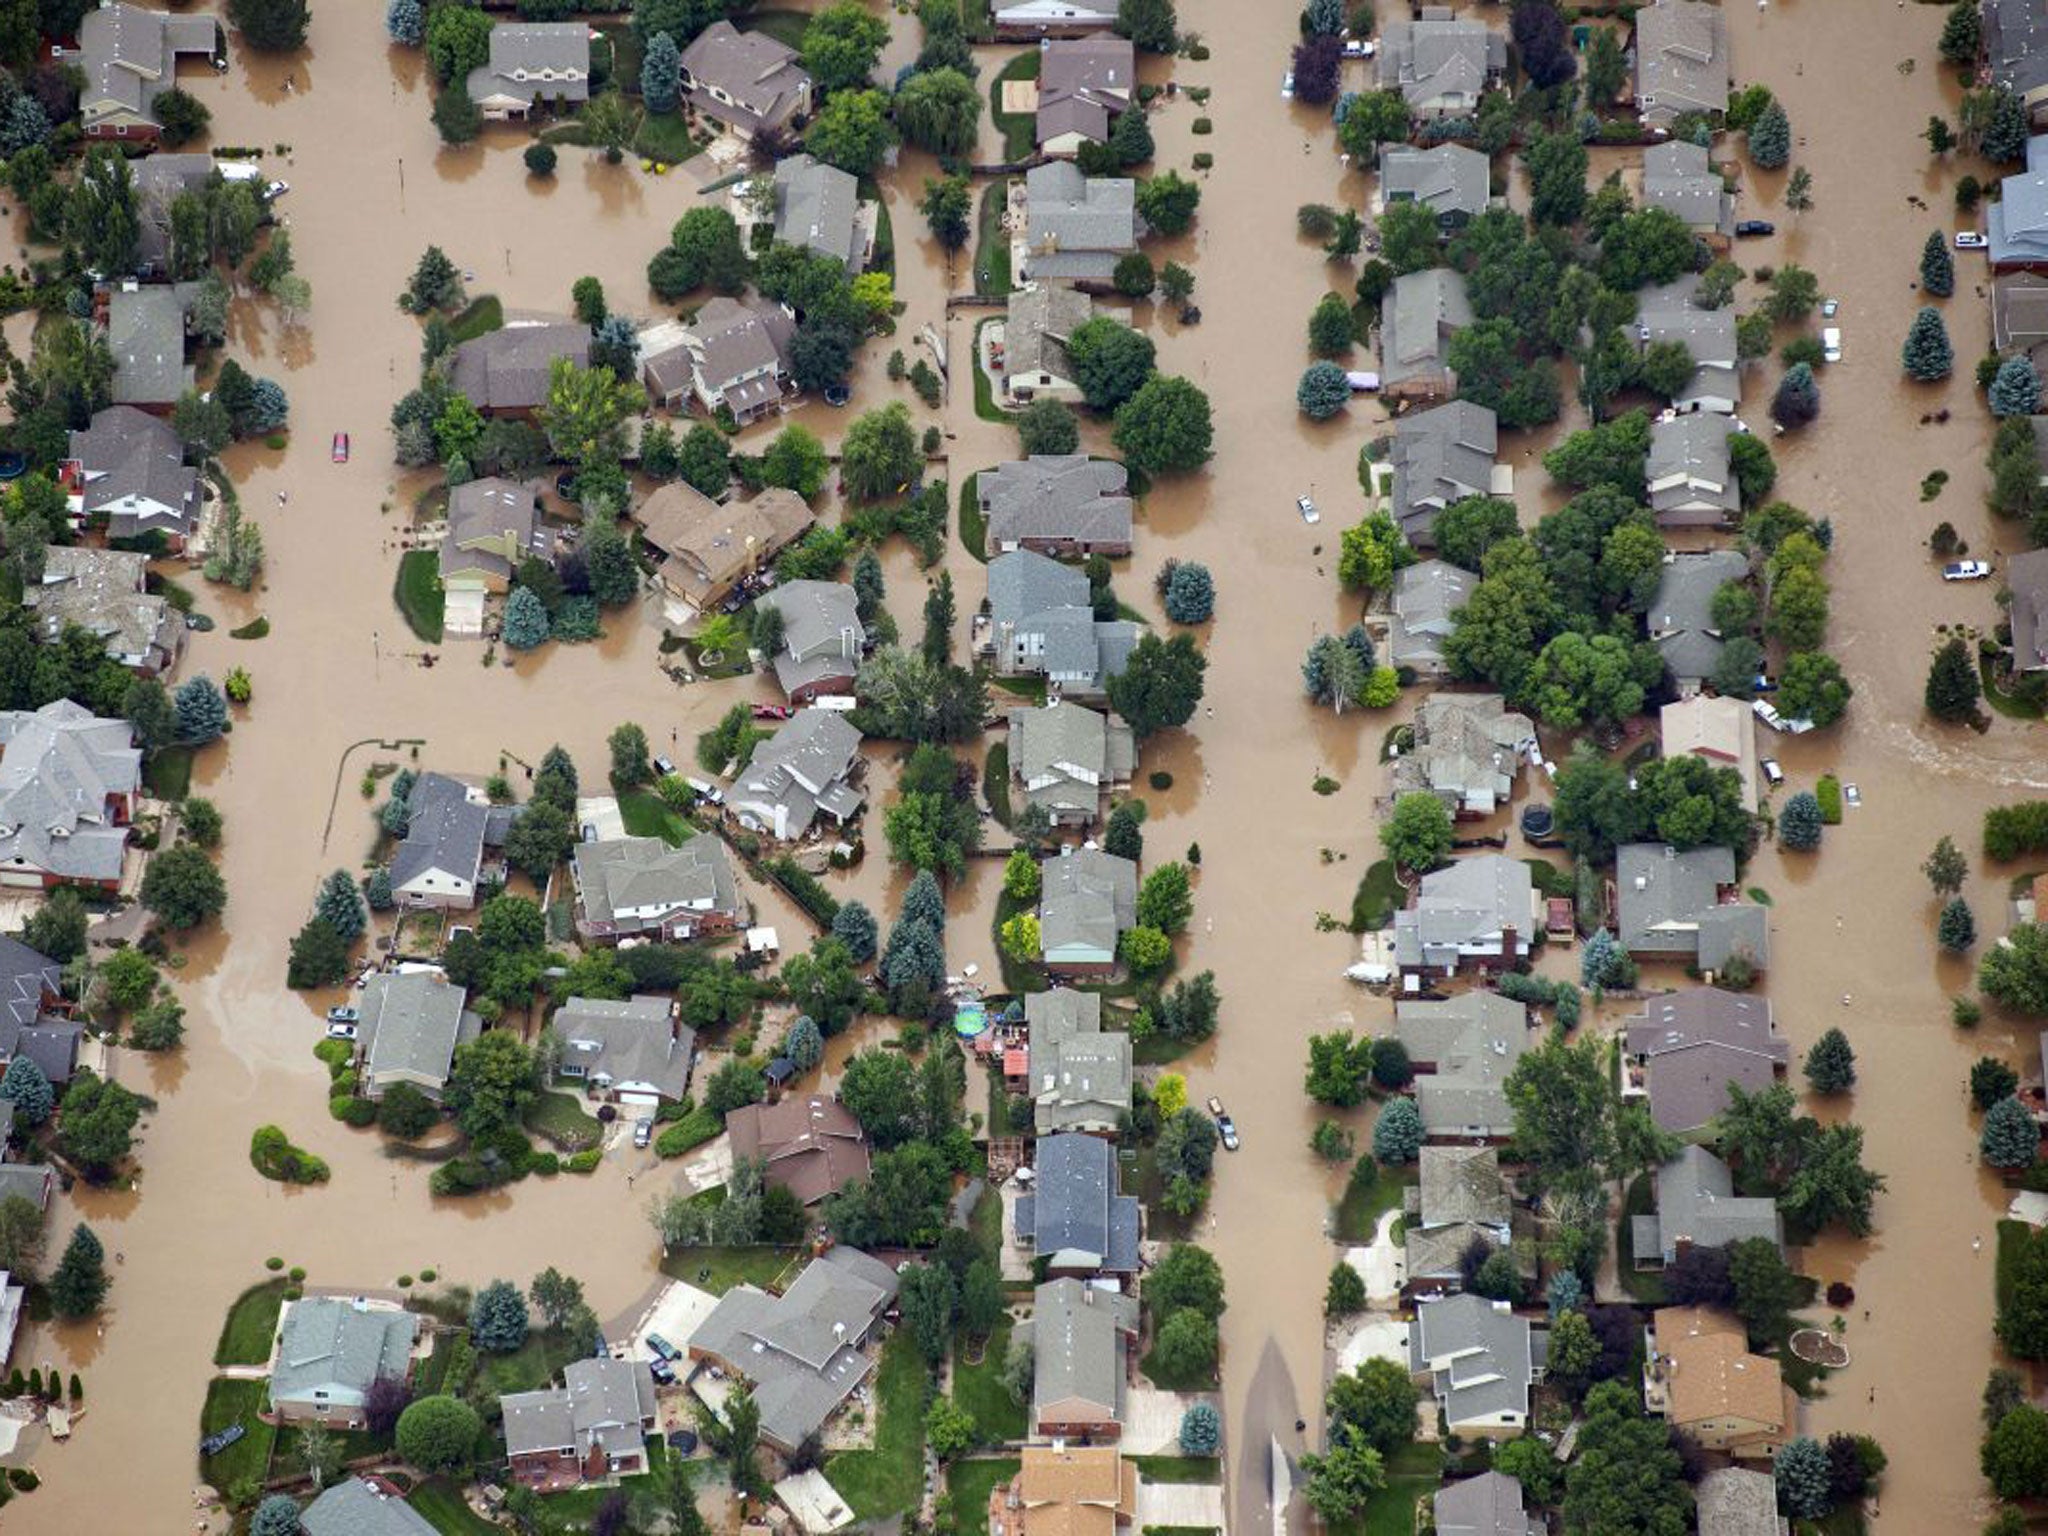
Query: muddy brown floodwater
{"points": [[372, 187]]}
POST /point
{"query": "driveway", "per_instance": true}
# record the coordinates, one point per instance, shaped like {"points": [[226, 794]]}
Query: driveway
{"points": [[1152, 1421], [1179, 1504], [675, 1314], [1381, 1264], [1374, 1336], [601, 812], [707, 1167], [1016, 1258]]}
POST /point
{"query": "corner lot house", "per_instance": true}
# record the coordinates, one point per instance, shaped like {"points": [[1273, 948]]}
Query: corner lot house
{"points": [[1076, 227], [635, 1052], [1681, 58], [744, 81], [330, 1351], [1063, 757], [732, 356], [102, 591], [1459, 1199], [1695, 1043], [544, 62], [823, 639], [1690, 478], [357, 1507], [410, 1027], [1697, 1207], [129, 468], [631, 886], [595, 1425], [505, 372], [1487, 1505], [442, 857], [1089, 900], [818, 208], [1703, 1378], [1042, 625], [1468, 752], [1035, 362], [1425, 604], [1681, 616], [812, 1147], [1420, 314], [1074, 1218], [1080, 1338], [808, 768], [803, 1350], [69, 782], [707, 547], [1463, 1049], [1079, 1074], [1718, 731], [1440, 65], [1475, 914], [129, 57], [1478, 1360], [493, 524], [1057, 504], [1684, 906], [1084, 85]]}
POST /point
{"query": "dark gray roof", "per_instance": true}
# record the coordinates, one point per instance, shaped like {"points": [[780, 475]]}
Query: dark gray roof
{"points": [[737, 347], [1487, 1505], [135, 472], [1667, 313], [1681, 51], [103, 591], [507, 369], [758, 76], [52, 1044], [1075, 1217], [26, 978], [1063, 756], [817, 207], [2017, 223], [1470, 1043], [1466, 908], [1440, 456], [1479, 1356], [1425, 602], [1089, 898], [410, 1027], [159, 179], [2019, 311], [1680, 619], [801, 1350], [1079, 1333], [603, 1403], [1418, 316], [641, 878], [1699, 1041], [803, 768], [354, 1508], [1048, 496], [331, 1349], [129, 56], [445, 831], [1043, 622], [1697, 1204], [26, 1181], [1680, 178], [632, 1044], [2026, 576], [1689, 474], [822, 635], [1448, 180], [2016, 44], [60, 766], [1080, 1072], [1668, 904], [1083, 83], [146, 333], [535, 60]]}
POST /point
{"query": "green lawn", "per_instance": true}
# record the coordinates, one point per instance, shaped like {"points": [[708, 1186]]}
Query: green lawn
{"points": [[1019, 139], [251, 1325], [1018, 976], [984, 388], [973, 525], [992, 244], [561, 1119], [419, 595], [786, 27], [648, 815], [970, 1483], [1646, 1286], [1179, 1469], [2013, 1238], [995, 781], [483, 314], [1030, 689], [440, 1502], [887, 1480], [351, 1443], [231, 1402], [718, 1270], [1379, 894], [529, 1367], [168, 773], [2007, 704], [1413, 1475], [1372, 1192], [979, 1389], [665, 137]]}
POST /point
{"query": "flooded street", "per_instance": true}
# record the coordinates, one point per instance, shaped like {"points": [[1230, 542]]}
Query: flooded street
{"points": [[372, 187]]}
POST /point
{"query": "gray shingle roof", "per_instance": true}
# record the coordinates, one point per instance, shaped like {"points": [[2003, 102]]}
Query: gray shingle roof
{"points": [[1480, 1357], [602, 1402], [1089, 898], [2017, 224], [59, 766], [1680, 618], [507, 369], [1056, 497], [1699, 1041], [1469, 1043], [633, 1044], [1417, 318], [1667, 313], [52, 1044], [2026, 574], [354, 1508], [1063, 756], [102, 591], [639, 880], [1734, 1501], [146, 334], [1075, 1216], [1462, 1184], [1080, 1072], [26, 1181], [1079, 1333], [1449, 180], [410, 1027], [1681, 49], [759, 75], [817, 207], [1425, 601], [1468, 752], [444, 832], [26, 978], [135, 472], [534, 61], [803, 768], [330, 1345], [493, 524], [1043, 623], [801, 1350], [1667, 904], [1487, 1505], [822, 635], [1041, 318], [129, 56], [1689, 474], [1466, 909], [1440, 65], [1077, 226], [1083, 84], [1697, 1204], [1680, 178]]}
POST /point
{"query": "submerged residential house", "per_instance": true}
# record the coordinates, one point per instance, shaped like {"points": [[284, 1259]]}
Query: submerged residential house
{"points": [[1667, 312], [1423, 611], [330, 1351], [1088, 901], [1684, 906], [812, 1147], [629, 887], [1076, 226], [1419, 315], [1469, 750], [1680, 178], [105, 593], [744, 81], [1081, 1335], [1074, 1217], [505, 372], [1690, 474], [1704, 1381], [493, 525], [1057, 504], [706, 548], [2026, 577], [1463, 1049], [1694, 1043], [128, 471], [823, 639], [1681, 60], [1078, 1074], [1680, 619], [1717, 731], [146, 334], [1474, 914], [1479, 1361], [1438, 457], [1043, 623], [532, 63], [412, 1021], [1450, 180], [1035, 361], [733, 355], [592, 1427], [636, 1052], [1697, 1207], [810, 767], [449, 825], [69, 785], [1439, 63], [129, 56], [818, 209], [2016, 52], [1064, 758], [1084, 85], [1459, 1199]]}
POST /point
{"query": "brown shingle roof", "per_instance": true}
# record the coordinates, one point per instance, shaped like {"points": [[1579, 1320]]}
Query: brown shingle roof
{"points": [[710, 546], [1075, 1490], [812, 1146]]}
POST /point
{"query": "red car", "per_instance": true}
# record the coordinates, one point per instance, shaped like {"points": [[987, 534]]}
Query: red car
{"points": [[341, 447], [772, 711]]}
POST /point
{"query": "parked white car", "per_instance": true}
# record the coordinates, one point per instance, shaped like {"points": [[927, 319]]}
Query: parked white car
{"points": [[1309, 514], [1287, 93], [1966, 239], [1831, 344], [1966, 570]]}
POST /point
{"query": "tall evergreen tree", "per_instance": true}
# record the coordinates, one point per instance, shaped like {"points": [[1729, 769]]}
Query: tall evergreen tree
{"points": [[1937, 266], [1770, 137], [1927, 354], [1831, 1063], [80, 1281], [1953, 685]]}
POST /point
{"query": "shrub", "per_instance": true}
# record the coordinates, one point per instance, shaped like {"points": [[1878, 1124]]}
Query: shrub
{"points": [[1799, 824]]}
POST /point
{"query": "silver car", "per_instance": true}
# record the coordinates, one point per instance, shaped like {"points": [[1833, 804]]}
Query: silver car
{"points": [[1309, 514]]}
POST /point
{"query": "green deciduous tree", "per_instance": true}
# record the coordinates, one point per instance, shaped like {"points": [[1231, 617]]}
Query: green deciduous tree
{"points": [[1165, 427], [852, 132], [1417, 832], [939, 110], [438, 1433]]}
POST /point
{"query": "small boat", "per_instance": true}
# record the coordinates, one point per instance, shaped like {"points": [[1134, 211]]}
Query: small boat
{"points": [[341, 447]]}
